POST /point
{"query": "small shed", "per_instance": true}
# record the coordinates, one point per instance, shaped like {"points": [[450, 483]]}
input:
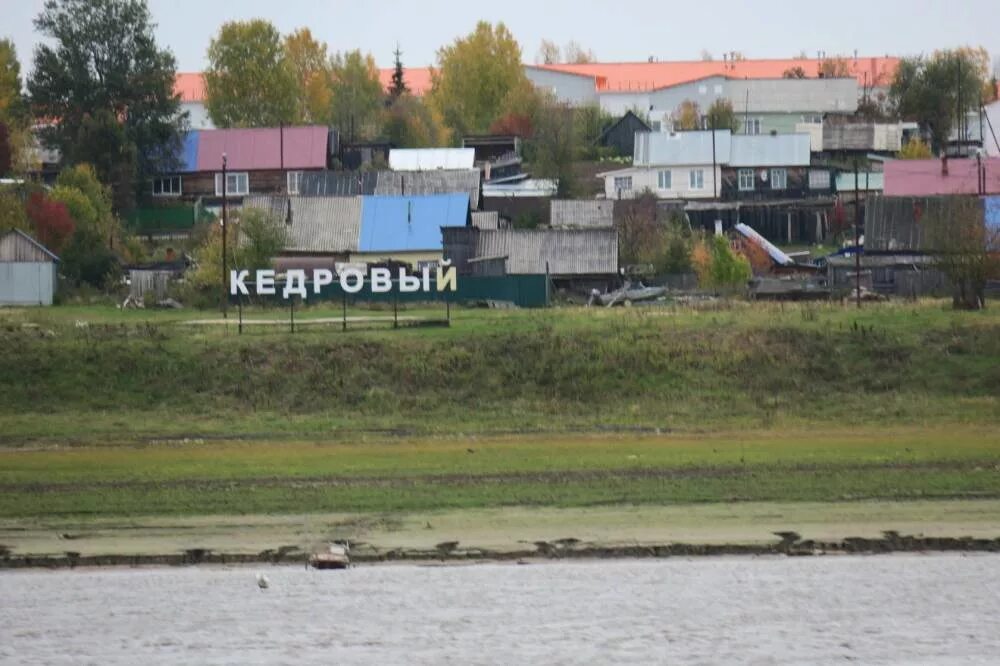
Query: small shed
{"points": [[27, 270], [621, 134]]}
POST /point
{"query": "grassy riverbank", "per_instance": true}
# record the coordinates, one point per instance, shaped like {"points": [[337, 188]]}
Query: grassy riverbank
{"points": [[136, 416], [91, 375]]}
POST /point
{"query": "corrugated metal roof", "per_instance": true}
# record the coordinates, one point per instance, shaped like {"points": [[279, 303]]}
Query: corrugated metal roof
{"points": [[17, 246], [924, 177], [581, 214], [486, 219], [566, 251], [682, 148], [431, 159], [407, 223], [769, 150], [318, 224], [338, 183], [430, 182], [261, 148]]}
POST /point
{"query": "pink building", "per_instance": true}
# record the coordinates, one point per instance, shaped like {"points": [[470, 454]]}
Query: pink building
{"points": [[926, 177]]}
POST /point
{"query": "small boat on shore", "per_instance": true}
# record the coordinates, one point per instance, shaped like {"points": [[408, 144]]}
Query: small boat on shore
{"points": [[335, 557]]}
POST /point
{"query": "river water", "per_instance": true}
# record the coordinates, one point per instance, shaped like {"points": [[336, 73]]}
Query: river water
{"points": [[899, 609]]}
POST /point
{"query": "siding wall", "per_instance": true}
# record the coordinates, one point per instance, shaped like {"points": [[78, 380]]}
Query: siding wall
{"points": [[568, 88], [23, 283], [202, 184], [643, 179]]}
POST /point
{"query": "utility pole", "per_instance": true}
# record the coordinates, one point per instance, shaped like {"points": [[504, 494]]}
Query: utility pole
{"points": [[225, 232], [857, 235]]}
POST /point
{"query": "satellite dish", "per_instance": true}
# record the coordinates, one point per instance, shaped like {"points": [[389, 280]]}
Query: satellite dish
{"points": [[763, 175]]}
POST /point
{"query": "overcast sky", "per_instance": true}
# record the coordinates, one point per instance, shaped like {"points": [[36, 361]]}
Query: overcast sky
{"points": [[615, 31]]}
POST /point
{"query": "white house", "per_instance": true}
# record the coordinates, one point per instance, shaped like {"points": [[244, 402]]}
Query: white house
{"points": [[685, 165]]}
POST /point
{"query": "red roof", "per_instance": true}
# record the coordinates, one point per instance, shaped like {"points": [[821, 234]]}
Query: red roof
{"points": [[627, 76], [924, 177], [190, 86], [417, 79], [250, 149]]}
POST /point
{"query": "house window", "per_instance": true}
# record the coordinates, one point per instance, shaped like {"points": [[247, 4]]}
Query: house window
{"points": [[623, 182], [696, 179], [753, 126], [779, 179], [819, 179], [167, 187], [294, 179], [664, 180], [656, 126], [746, 180], [237, 184], [816, 120]]}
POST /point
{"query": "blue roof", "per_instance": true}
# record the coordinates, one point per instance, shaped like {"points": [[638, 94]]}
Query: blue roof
{"points": [[409, 223], [189, 152]]}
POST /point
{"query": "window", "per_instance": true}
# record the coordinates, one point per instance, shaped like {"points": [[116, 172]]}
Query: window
{"points": [[718, 89], [623, 182], [294, 179], [816, 120], [656, 126], [746, 180], [664, 180], [167, 187], [702, 90], [819, 179], [237, 184], [779, 179], [696, 179], [753, 126]]}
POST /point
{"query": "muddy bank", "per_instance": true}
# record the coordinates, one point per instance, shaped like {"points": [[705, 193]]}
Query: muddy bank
{"points": [[791, 544]]}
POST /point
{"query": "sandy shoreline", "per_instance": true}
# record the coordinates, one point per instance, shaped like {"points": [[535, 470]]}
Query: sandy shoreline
{"points": [[510, 534]]}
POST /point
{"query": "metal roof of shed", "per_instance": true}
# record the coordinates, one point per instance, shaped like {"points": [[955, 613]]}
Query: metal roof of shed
{"points": [[255, 149], [681, 148], [562, 251], [409, 223], [315, 224], [583, 213], [769, 150]]}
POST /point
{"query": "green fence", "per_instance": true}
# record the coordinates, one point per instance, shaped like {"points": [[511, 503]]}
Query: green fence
{"points": [[161, 219]]}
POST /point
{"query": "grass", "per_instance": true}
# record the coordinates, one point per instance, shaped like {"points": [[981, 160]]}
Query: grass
{"points": [[146, 375], [405, 475], [126, 413]]}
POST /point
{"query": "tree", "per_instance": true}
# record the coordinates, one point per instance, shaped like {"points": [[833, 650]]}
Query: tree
{"points": [[548, 53], [398, 86], [794, 73], [357, 94], [101, 60], [931, 91], [965, 249], [253, 239], [717, 266], [721, 116], [6, 150], [51, 221], [411, 123], [687, 116], [11, 102], [308, 61], [554, 145], [575, 54], [640, 236], [12, 214], [835, 68], [474, 77], [102, 142], [915, 149], [82, 180], [87, 259], [249, 82]]}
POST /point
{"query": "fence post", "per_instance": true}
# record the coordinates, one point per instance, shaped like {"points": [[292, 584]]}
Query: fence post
{"points": [[345, 312], [291, 302]]}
